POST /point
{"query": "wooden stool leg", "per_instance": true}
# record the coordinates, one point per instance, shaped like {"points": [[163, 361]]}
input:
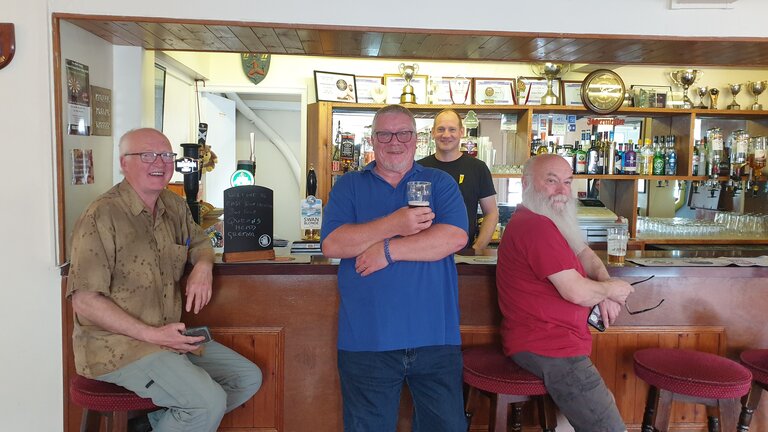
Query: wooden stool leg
{"points": [[91, 421], [713, 419], [547, 414], [749, 404], [469, 404], [651, 405], [516, 421], [728, 409], [663, 410], [497, 421], [118, 422]]}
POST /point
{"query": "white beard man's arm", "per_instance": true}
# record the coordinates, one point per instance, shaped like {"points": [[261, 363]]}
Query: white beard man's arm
{"points": [[586, 292], [592, 264]]}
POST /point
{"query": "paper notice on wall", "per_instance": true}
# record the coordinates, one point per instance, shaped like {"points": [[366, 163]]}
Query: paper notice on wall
{"points": [[78, 99], [82, 166]]}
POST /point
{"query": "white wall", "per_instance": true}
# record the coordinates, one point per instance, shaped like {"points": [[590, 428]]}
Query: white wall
{"points": [[96, 53], [30, 373]]}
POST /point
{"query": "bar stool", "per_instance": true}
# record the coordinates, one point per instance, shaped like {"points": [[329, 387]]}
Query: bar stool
{"points": [[99, 398], [489, 371], [694, 377], [756, 361]]}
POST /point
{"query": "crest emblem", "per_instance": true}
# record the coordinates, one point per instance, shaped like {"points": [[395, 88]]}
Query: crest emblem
{"points": [[255, 66]]}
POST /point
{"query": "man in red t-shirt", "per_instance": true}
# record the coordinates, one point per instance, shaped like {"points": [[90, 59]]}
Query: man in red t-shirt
{"points": [[548, 279]]}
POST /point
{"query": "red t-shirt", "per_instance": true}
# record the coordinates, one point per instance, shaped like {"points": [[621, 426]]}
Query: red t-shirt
{"points": [[536, 318]]}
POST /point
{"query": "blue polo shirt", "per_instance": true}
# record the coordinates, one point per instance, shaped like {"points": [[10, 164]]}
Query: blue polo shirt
{"points": [[408, 304]]}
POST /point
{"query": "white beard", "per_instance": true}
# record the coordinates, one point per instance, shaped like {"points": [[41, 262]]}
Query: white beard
{"points": [[561, 210]]}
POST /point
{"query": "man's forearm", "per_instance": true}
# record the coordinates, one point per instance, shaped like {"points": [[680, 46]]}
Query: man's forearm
{"points": [[350, 240], [593, 265], [432, 244], [104, 313], [485, 233]]}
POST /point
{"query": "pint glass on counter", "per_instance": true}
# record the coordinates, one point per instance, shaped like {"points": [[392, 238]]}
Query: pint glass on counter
{"points": [[617, 244]]}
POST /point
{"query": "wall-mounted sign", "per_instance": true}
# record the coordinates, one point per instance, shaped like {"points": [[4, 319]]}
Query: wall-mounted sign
{"points": [[78, 99], [101, 111], [7, 44], [255, 66]]}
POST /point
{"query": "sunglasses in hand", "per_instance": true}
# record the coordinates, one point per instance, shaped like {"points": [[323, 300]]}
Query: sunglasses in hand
{"points": [[631, 312]]}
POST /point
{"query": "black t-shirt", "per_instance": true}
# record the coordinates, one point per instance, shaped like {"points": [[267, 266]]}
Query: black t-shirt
{"points": [[475, 182]]}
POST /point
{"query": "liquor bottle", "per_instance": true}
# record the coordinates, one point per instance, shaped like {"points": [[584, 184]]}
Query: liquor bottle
{"points": [[658, 159], [630, 160], [368, 155], [696, 159], [670, 166], [600, 146], [568, 155], [618, 159], [593, 160], [647, 157], [715, 140], [336, 158], [347, 150], [758, 159], [580, 161]]}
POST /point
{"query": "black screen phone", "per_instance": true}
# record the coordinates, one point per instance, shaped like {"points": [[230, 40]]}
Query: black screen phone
{"points": [[595, 319], [199, 331]]}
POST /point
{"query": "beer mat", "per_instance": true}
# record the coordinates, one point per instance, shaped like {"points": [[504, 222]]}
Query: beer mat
{"points": [[761, 261], [461, 259]]}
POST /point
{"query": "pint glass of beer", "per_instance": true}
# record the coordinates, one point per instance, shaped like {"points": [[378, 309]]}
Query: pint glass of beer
{"points": [[419, 193], [617, 244]]}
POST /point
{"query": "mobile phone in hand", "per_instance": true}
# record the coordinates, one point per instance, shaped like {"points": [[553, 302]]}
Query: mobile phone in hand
{"points": [[595, 319], [199, 331]]}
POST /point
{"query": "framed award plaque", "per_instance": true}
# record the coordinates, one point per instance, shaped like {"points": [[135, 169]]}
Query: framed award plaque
{"points": [[602, 91]]}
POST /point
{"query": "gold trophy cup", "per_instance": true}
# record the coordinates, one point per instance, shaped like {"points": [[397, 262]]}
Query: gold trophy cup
{"points": [[756, 88], [735, 89], [550, 71], [686, 78], [408, 71], [713, 94]]}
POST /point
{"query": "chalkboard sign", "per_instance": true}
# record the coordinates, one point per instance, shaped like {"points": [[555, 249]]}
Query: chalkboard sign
{"points": [[248, 228]]}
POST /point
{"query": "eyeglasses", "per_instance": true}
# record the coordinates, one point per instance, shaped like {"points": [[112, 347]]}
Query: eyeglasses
{"points": [[151, 157], [386, 137], [642, 310]]}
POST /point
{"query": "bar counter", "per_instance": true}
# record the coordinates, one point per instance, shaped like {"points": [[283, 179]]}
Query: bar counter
{"points": [[283, 317]]}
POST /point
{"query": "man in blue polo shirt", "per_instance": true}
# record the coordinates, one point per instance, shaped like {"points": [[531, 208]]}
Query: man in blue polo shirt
{"points": [[399, 308]]}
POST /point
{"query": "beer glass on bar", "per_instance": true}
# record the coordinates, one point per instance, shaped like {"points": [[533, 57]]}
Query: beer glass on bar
{"points": [[419, 193], [617, 244]]}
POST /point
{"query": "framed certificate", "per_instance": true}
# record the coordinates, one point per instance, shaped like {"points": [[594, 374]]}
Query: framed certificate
{"points": [[367, 87], [494, 91], [335, 87], [440, 91], [395, 84], [572, 93], [533, 88]]}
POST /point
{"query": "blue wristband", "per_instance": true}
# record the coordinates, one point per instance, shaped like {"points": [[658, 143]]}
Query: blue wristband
{"points": [[386, 252]]}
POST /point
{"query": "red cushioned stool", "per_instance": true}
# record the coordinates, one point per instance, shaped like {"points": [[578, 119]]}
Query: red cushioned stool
{"points": [[489, 371], [694, 377], [105, 399], [757, 362]]}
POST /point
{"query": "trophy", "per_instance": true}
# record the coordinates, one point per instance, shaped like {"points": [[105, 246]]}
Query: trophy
{"points": [[702, 92], [756, 88], [685, 78], [550, 71], [459, 90], [713, 93], [735, 89], [408, 71]]}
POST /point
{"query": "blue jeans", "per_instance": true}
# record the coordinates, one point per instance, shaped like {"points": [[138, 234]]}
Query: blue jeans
{"points": [[371, 383]]}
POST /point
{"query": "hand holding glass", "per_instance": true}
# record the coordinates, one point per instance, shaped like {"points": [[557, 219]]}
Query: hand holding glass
{"points": [[419, 193]]}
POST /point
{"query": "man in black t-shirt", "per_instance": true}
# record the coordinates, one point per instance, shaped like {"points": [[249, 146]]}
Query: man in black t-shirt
{"points": [[472, 175]]}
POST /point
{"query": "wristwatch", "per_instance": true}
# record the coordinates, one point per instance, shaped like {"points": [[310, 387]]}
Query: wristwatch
{"points": [[602, 91]]}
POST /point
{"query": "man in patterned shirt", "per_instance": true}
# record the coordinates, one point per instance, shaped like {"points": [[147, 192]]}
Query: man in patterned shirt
{"points": [[129, 251]]}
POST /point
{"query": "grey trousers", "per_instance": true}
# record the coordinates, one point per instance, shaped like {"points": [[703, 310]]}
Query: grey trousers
{"points": [[195, 390], [577, 389]]}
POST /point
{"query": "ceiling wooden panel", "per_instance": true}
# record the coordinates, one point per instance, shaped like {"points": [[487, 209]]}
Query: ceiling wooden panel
{"points": [[168, 34]]}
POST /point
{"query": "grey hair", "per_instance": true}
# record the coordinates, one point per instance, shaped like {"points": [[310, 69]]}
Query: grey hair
{"points": [[395, 109]]}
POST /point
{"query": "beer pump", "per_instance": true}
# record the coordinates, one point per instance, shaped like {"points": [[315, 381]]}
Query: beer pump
{"points": [[189, 166]]}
